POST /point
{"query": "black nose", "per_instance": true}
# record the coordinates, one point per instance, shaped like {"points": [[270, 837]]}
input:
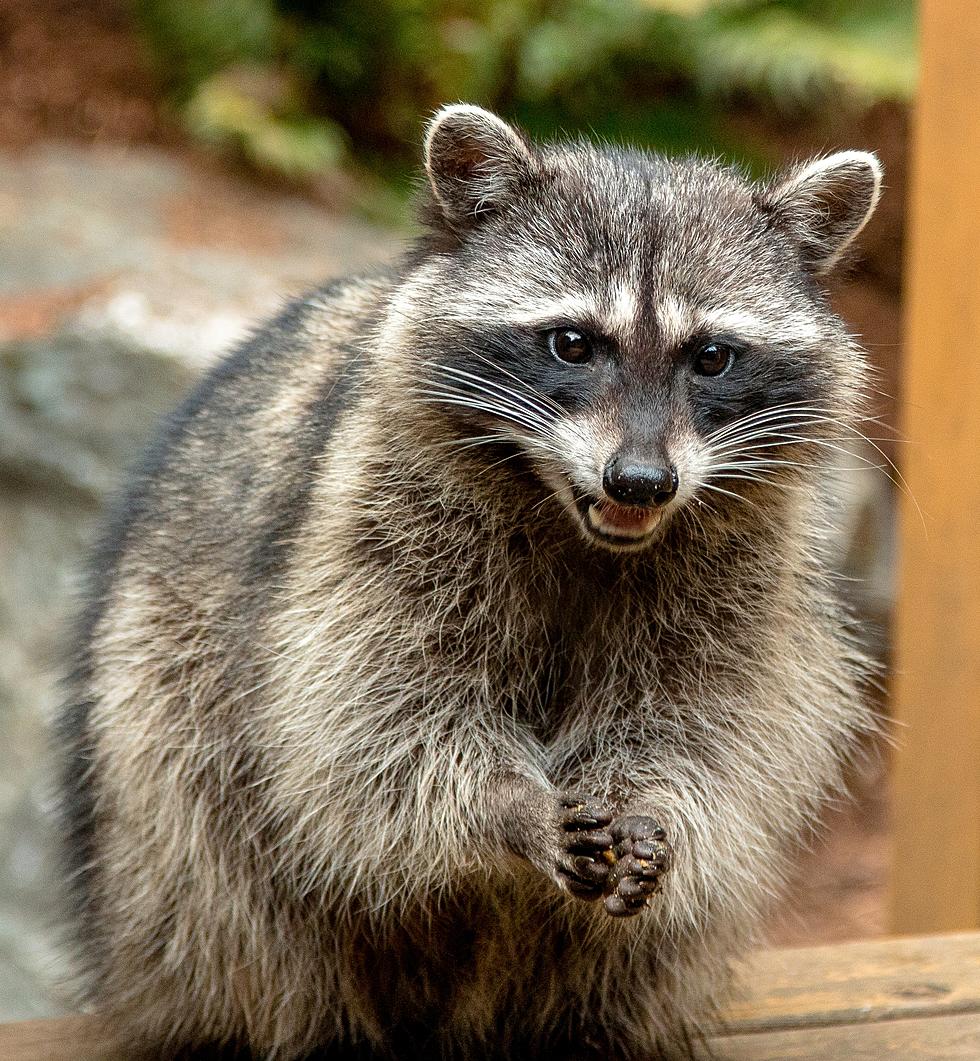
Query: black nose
{"points": [[631, 481]]}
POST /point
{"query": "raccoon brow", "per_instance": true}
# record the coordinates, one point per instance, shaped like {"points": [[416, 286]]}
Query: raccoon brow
{"points": [[587, 324], [703, 336]]}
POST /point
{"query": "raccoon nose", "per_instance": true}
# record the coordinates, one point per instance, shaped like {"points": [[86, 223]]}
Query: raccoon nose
{"points": [[632, 482]]}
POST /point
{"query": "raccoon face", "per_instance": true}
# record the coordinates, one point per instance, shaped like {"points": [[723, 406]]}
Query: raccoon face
{"points": [[646, 332]]}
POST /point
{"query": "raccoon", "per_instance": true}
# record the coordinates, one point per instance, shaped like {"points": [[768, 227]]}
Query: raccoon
{"points": [[463, 665]]}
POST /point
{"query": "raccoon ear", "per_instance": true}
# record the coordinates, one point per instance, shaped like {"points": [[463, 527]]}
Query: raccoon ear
{"points": [[475, 162], [825, 203]]}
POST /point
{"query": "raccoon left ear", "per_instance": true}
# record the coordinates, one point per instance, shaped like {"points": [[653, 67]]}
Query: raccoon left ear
{"points": [[826, 203], [475, 162]]}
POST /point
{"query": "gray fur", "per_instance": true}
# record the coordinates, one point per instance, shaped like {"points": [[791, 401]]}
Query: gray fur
{"points": [[351, 642]]}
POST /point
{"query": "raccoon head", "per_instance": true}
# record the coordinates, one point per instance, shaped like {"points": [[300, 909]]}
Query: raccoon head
{"points": [[644, 331]]}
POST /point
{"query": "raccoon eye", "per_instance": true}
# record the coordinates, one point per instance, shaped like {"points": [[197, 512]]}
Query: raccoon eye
{"points": [[570, 345], [714, 359]]}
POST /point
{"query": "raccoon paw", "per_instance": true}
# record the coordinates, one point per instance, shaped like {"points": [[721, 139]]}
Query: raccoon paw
{"points": [[641, 858], [585, 853]]}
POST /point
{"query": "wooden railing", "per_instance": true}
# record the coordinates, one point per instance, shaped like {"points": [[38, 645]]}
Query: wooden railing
{"points": [[910, 999]]}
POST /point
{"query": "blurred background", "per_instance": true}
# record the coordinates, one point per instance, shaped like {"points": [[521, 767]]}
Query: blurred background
{"points": [[170, 170]]}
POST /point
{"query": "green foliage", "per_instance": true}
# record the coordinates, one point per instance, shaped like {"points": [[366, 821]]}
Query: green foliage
{"points": [[356, 76], [801, 55], [258, 115], [195, 39]]}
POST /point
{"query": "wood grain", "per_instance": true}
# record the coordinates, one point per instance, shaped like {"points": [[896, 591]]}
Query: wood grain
{"points": [[858, 983], [63, 1039], [936, 875], [953, 1038]]}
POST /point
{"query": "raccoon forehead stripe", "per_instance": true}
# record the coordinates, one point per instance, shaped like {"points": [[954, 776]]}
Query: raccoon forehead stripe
{"points": [[794, 328], [616, 310], [675, 320], [478, 307], [570, 307], [622, 307]]}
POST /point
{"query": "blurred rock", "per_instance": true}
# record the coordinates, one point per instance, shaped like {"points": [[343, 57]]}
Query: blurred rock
{"points": [[122, 275]]}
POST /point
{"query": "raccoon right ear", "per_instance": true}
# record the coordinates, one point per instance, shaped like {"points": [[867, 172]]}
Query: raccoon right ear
{"points": [[475, 163], [825, 204]]}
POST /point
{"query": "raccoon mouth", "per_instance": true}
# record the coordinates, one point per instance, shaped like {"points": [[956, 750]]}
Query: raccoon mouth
{"points": [[621, 525]]}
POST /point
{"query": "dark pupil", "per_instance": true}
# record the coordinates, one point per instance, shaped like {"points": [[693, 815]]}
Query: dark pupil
{"points": [[571, 346], [713, 359]]}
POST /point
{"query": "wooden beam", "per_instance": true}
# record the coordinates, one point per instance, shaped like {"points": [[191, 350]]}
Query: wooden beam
{"points": [[63, 1039], [857, 983], [954, 1038], [936, 788], [907, 999]]}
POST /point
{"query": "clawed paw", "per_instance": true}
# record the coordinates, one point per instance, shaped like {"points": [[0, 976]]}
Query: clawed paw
{"points": [[641, 858], [586, 850], [620, 860]]}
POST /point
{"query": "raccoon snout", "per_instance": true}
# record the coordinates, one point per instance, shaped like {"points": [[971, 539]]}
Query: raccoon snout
{"points": [[629, 480]]}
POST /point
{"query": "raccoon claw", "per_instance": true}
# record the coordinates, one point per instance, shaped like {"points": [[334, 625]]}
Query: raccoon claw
{"points": [[583, 877], [583, 813], [642, 857], [586, 849]]}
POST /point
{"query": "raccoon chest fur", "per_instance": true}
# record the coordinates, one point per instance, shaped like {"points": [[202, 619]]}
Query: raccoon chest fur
{"points": [[462, 665]]}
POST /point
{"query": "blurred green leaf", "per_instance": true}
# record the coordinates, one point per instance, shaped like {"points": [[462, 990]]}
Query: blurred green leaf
{"points": [[194, 39], [797, 60], [657, 72], [253, 113]]}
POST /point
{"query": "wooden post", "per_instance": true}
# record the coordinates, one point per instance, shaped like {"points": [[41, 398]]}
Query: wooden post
{"points": [[936, 875]]}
